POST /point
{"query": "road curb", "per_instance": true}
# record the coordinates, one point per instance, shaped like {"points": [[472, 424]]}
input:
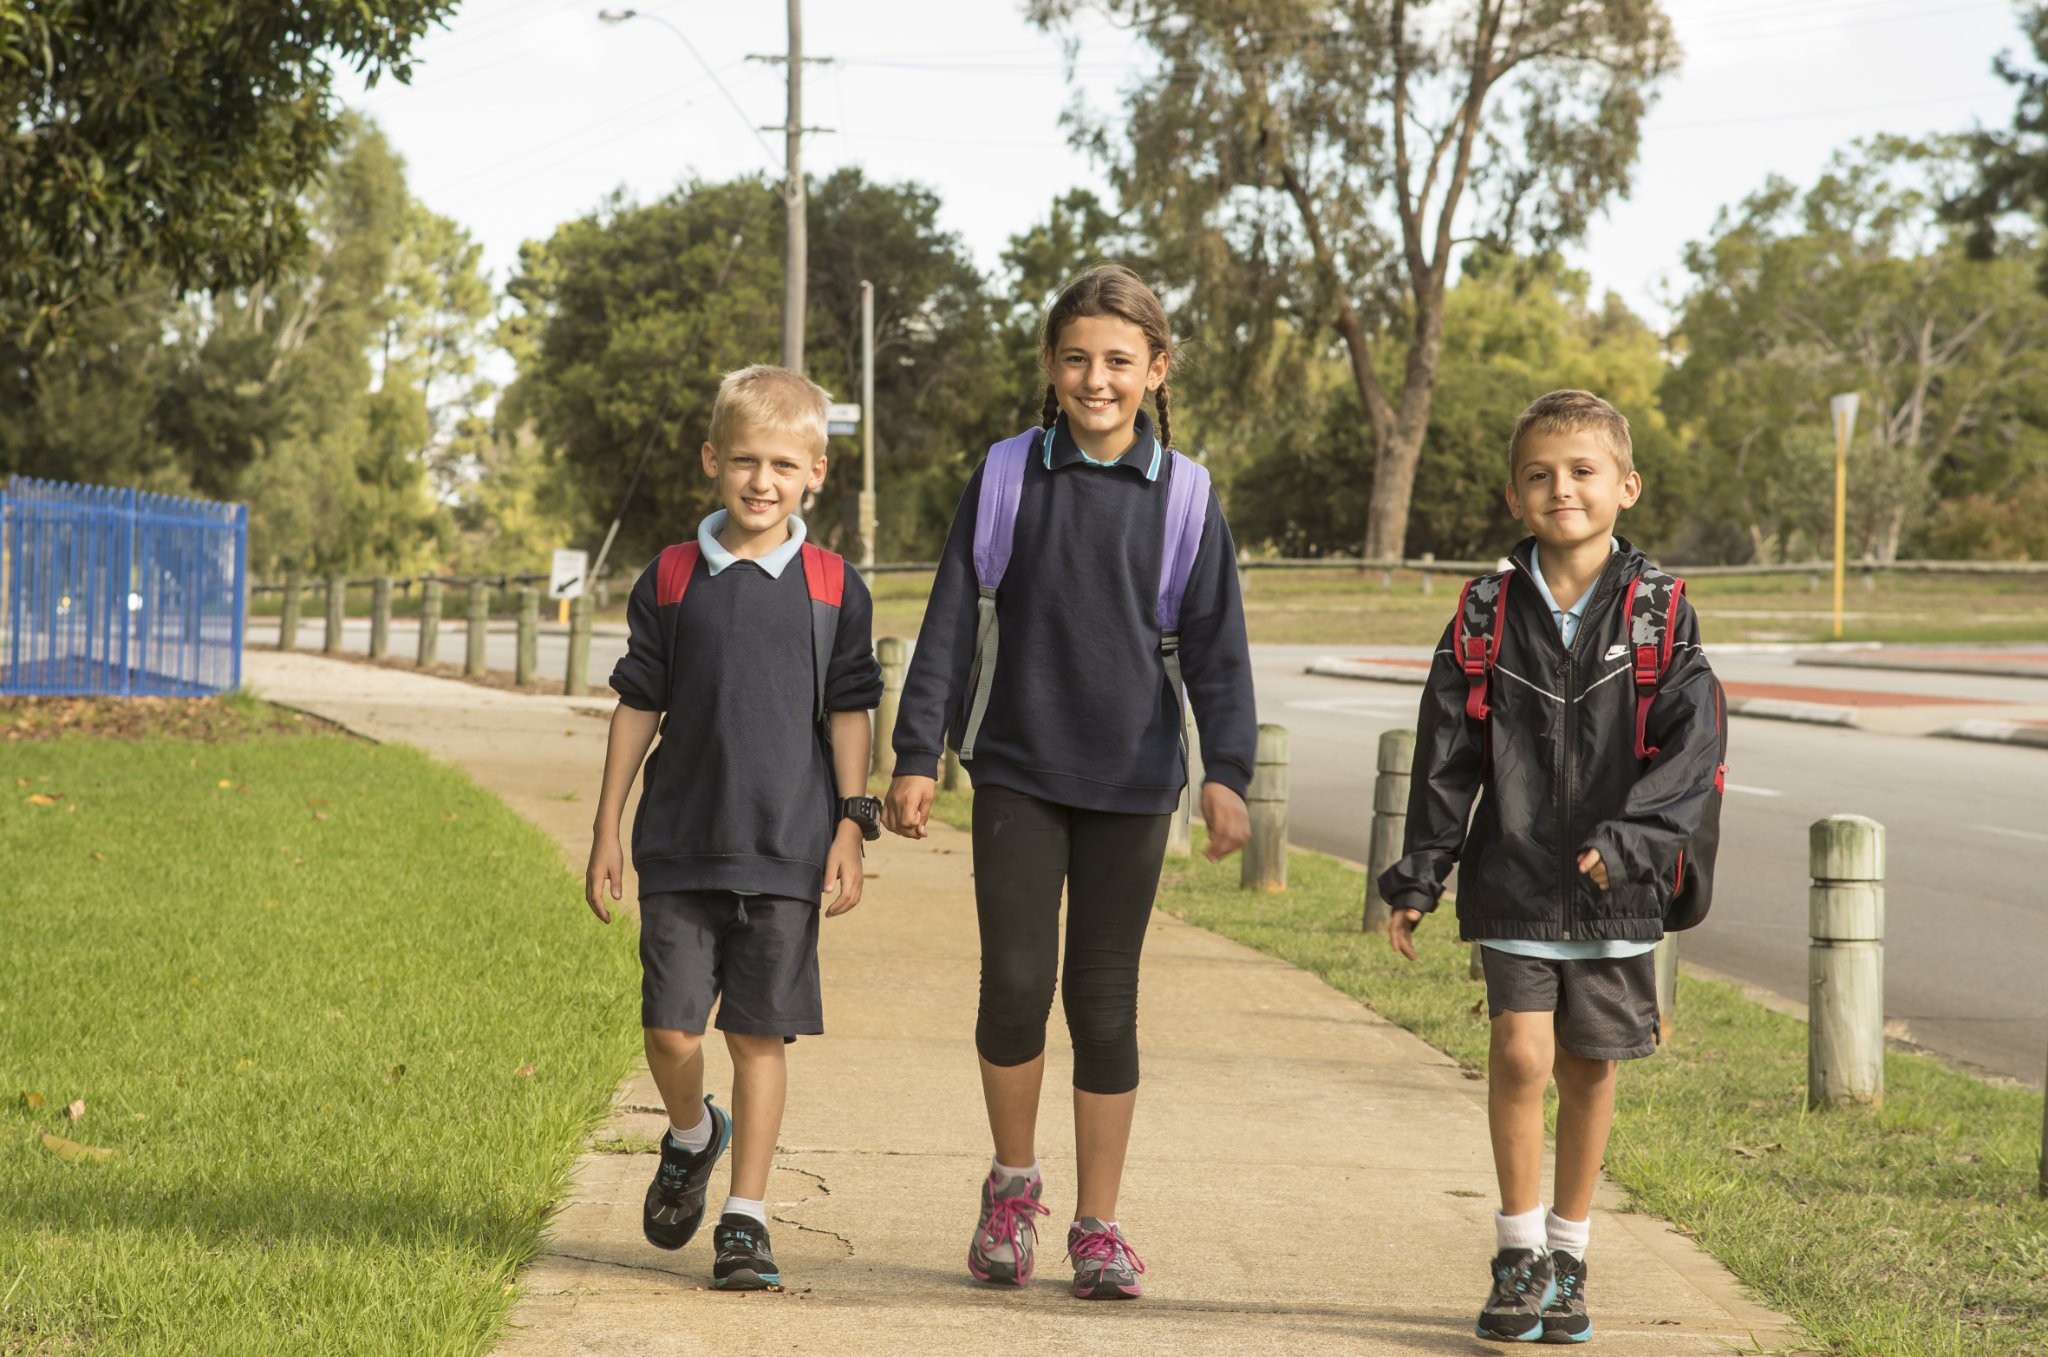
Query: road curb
{"points": [[1906, 665], [1997, 732], [1379, 671]]}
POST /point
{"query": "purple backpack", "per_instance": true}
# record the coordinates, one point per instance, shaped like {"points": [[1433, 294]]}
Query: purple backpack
{"points": [[995, 532]]}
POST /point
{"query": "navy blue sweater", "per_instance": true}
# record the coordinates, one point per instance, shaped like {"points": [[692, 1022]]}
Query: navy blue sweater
{"points": [[740, 793], [1081, 713]]}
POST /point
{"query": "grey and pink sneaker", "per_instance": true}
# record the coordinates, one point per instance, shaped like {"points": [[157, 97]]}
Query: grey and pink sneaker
{"points": [[1106, 1267], [1006, 1242]]}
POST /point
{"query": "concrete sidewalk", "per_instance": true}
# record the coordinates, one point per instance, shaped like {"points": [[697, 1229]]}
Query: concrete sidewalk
{"points": [[1304, 1177]]}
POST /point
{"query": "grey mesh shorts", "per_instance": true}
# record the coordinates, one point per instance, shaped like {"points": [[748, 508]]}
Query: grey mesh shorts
{"points": [[1605, 1009], [756, 956]]}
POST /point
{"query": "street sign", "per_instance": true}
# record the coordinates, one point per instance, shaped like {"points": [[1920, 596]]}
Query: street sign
{"points": [[565, 576], [842, 419]]}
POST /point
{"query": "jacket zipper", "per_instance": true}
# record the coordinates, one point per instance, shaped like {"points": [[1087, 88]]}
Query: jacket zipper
{"points": [[1568, 860]]}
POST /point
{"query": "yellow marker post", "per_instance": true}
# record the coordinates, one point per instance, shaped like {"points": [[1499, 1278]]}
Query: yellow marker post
{"points": [[1843, 408], [562, 612]]}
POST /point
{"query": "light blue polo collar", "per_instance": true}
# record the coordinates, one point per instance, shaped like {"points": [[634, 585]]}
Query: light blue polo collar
{"points": [[1144, 430], [717, 558], [1578, 610]]}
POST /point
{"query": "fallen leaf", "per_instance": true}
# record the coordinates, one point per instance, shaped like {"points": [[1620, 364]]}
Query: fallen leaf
{"points": [[320, 815], [99, 857], [41, 800], [270, 904], [244, 1064], [451, 815], [524, 1071], [394, 1074], [225, 783], [73, 1151], [31, 1102], [76, 1110], [1477, 1008], [319, 801], [21, 782]]}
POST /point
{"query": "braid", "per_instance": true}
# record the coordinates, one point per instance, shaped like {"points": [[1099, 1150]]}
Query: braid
{"points": [[1165, 426], [1051, 411]]}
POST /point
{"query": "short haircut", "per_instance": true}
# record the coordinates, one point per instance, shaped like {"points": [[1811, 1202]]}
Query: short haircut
{"points": [[768, 397], [1574, 412]]}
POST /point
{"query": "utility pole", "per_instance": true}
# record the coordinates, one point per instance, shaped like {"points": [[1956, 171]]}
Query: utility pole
{"points": [[796, 247], [867, 424]]}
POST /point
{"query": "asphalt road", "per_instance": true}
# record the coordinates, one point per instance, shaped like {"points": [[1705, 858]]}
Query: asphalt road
{"points": [[1967, 840]]}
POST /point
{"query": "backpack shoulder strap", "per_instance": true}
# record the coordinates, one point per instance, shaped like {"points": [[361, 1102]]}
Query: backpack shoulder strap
{"points": [[1476, 636], [825, 578], [995, 532], [995, 515], [1652, 599], [1187, 505], [678, 564]]}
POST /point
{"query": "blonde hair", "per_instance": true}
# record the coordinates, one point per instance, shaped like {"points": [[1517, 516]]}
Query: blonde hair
{"points": [[1574, 412], [768, 397]]}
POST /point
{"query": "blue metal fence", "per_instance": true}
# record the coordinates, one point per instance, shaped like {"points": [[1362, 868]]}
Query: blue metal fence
{"points": [[119, 593]]}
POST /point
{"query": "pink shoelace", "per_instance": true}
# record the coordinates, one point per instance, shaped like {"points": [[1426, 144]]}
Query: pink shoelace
{"points": [[1103, 1246], [1007, 1218]]}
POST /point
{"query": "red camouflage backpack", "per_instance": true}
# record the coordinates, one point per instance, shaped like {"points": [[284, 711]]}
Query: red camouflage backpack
{"points": [[1652, 598]]}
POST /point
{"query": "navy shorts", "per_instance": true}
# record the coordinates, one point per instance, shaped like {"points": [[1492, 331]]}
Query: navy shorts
{"points": [[755, 956]]}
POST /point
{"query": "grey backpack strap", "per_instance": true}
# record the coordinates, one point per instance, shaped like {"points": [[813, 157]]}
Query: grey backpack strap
{"points": [[995, 529], [1187, 504]]}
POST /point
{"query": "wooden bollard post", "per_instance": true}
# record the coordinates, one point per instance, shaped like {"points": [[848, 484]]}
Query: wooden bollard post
{"points": [[952, 777], [577, 680], [430, 623], [1389, 820], [1265, 854], [1845, 964], [1180, 832], [380, 617], [1666, 957], [2042, 1189], [1428, 576], [894, 656], [473, 655], [337, 611], [288, 614], [526, 663]]}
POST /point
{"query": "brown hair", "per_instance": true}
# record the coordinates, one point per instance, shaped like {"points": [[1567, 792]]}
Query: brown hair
{"points": [[1574, 412], [1110, 290], [770, 398]]}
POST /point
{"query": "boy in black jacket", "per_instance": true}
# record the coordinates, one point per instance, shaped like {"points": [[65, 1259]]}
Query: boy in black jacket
{"points": [[750, 653], [1572, 857]]}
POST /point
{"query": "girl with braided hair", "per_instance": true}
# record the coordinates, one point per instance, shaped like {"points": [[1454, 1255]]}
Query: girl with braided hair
{"points": [[1102, 561]]}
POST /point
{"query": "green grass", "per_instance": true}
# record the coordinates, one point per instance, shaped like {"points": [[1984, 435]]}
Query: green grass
{"points": [[1341, 607], [1914, 1229], [298, 982]]}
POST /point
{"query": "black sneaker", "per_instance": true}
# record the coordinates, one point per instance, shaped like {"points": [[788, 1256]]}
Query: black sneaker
{"points": [[745, 1262], [1565, 1319], [1524, 1285], [675, 1199]]}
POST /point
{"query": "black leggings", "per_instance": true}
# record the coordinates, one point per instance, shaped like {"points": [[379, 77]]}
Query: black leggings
{"points": [[1024, 850]]}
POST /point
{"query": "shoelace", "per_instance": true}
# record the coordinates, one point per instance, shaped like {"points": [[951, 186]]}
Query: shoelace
{"points": [[739, 1241], [1104, 1247], [1007, 1218]]}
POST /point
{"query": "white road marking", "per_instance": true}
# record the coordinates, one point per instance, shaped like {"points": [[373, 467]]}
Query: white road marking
{"points": [[2014, 833], [1750, 791]]}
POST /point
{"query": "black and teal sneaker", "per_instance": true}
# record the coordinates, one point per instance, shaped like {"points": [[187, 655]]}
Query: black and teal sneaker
{"points": [[745, 1262], [675, 1199], [1565, 1319], [1524, 1285]]}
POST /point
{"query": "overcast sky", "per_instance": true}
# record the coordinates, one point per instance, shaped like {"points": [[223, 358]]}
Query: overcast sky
{"points": [[526, 113]]}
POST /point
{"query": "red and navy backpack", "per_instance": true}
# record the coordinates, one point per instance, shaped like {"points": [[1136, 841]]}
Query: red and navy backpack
{"points": [[824, 576]]}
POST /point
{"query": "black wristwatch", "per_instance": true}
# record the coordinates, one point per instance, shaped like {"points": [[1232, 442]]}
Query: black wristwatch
{"points": [[865, 811]]}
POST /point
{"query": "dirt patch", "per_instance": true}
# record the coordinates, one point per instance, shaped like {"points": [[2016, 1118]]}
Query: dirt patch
{"points": [[205, 720]]}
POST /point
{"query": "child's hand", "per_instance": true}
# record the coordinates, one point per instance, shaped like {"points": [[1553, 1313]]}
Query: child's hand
{"points": [[1591, 865], [909, 805], [1401, 931], [843, 871], [1228, 822], [607, 870]]}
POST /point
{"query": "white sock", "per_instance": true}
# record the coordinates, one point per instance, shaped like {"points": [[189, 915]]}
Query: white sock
{"points": [[1567, 1235], [742, 1206], [1519, 1232], [1002, 1170], [696, 1138], [1106, 1224]]}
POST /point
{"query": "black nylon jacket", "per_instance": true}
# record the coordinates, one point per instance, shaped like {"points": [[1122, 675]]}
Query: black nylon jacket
{"points": [[1563, 774]]}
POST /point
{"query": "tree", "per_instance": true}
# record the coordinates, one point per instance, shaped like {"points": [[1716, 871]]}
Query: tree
{"points": [[1856, 285], [1324, 162], [171, 139], [2012, 165]]}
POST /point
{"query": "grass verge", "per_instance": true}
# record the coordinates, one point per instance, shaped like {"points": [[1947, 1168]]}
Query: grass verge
{"points": [[335, 1013], [1911, 1229]]}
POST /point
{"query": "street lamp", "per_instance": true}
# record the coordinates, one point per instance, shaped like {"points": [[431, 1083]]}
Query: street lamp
{"points": [[1842, 409]]}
